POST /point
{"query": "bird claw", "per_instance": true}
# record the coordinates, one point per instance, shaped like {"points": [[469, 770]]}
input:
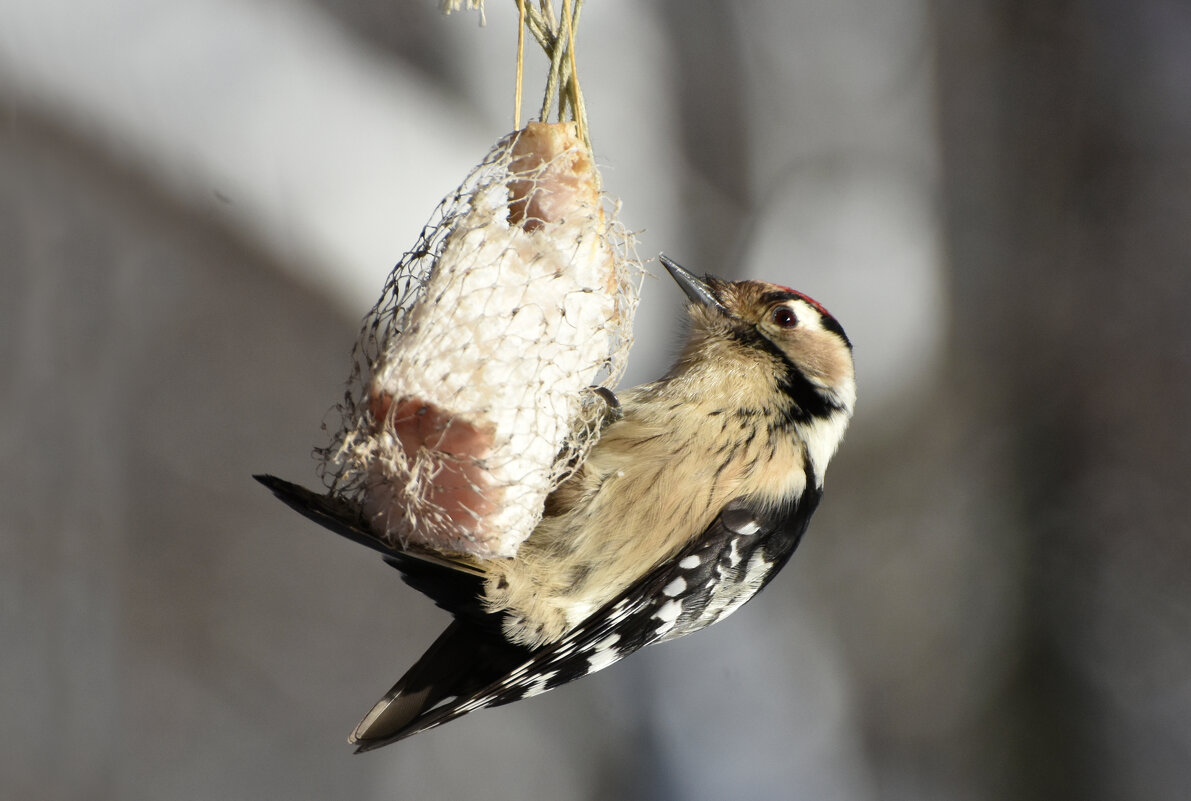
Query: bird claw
{"points": [[606, 406]]}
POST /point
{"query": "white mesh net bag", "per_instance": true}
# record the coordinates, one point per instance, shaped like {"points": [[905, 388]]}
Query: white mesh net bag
{"points": [[471, 395]]}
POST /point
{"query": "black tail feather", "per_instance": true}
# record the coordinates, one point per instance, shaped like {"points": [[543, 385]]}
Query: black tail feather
{"points": [[343, 517], [454, 585], [462, 662], [467, 659]]}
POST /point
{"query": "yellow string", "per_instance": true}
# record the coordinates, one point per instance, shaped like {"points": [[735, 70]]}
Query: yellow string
{"points": [[577, 107], [562, 78], [520, 64]]}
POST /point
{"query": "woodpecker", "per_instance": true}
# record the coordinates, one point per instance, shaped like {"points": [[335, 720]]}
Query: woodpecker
{"points": [[696, 494]]}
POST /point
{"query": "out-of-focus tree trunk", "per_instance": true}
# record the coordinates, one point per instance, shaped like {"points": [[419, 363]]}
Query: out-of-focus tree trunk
{"points": [[1067, 157]]}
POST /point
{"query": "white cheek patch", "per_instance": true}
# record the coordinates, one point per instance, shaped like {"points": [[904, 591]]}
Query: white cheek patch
{"points": [[808, 316], [822, 438]]}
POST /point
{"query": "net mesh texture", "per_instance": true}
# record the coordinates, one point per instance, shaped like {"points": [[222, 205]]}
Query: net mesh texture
{"points": [[472, 393]]}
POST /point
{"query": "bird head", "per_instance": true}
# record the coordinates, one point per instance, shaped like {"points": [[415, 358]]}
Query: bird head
{"points": [[790, 336]]}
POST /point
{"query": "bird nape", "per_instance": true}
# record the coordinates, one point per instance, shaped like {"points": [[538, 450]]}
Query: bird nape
{"points": [[696, 494]]}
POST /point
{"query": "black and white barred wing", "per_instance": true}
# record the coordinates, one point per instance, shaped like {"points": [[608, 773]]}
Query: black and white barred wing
{"points": [[705, 582], [471, 666]]}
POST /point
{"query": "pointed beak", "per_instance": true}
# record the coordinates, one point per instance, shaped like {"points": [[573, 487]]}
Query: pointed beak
{"points": [[695, 288]]}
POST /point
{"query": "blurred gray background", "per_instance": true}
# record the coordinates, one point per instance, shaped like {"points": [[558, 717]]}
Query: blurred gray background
{"points": [[199, 199]]}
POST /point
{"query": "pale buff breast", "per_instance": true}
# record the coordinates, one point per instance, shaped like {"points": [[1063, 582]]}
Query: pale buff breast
{"points": [[643, 494]]}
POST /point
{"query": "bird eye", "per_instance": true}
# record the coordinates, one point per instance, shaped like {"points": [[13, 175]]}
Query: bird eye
{"points": [[784, 316]]}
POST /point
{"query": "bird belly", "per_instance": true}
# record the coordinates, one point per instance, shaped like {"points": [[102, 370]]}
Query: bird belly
{"points": [[641, 496]]}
